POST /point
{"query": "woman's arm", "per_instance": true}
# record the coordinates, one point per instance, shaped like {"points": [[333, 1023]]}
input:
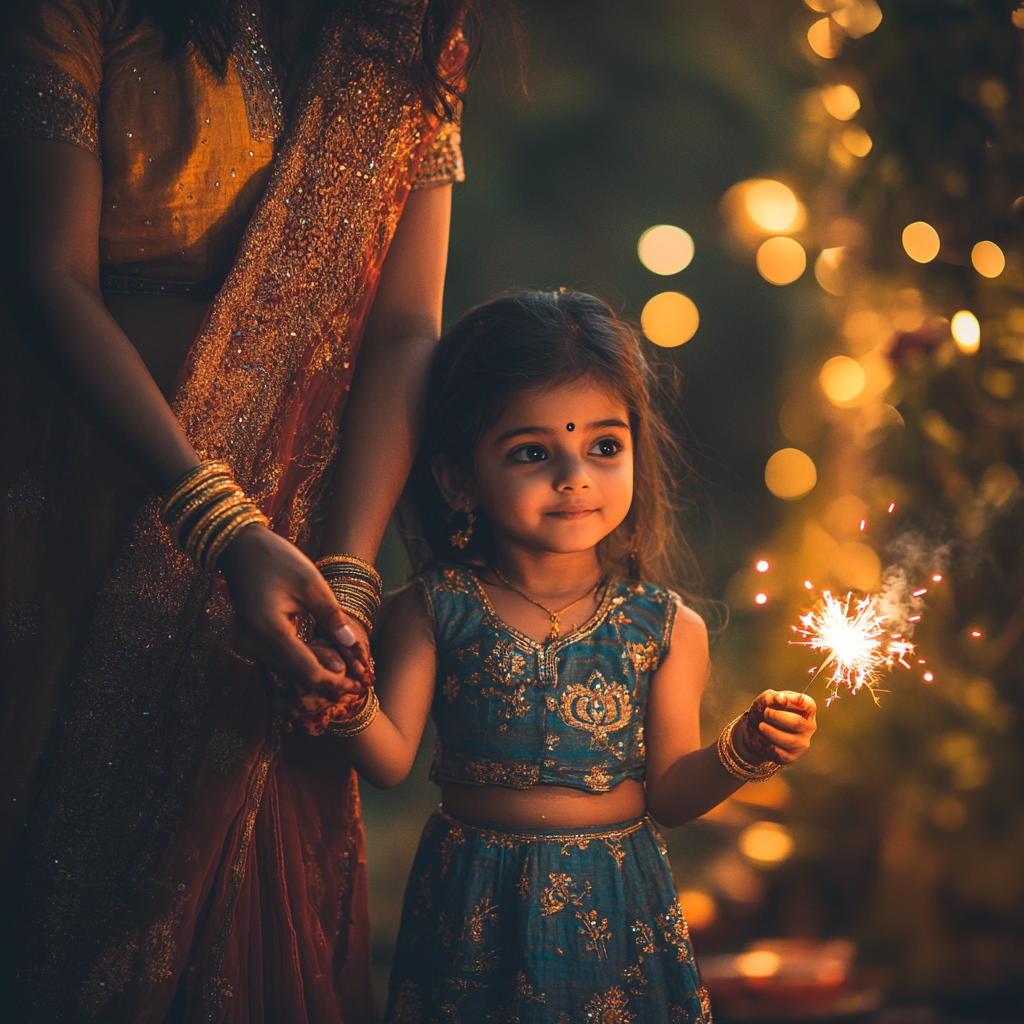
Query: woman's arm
{"points": [[53, 194], [684, 780], [383, 753], [382, 421]]}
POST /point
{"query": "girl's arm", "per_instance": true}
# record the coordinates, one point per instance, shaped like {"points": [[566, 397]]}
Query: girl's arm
{"points": [[383, 753], [382, 420], [684, 780], [53, 192]]}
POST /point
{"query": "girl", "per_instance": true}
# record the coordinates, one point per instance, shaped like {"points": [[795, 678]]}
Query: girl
{"points": [[564, 686]]}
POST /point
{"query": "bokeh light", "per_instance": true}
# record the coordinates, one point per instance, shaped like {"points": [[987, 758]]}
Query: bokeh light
{"points": [[760, 598], [762, 565], [665, 249], [771, 205], [790, 474], [840, 101], [781, 260], [758, 963], [842, 379], [766, 842], [988, 259], [828, 269], [670, 319], [699, 908], [921, 241], [966, 331], [857, 141], [821, 37], [858, 17], [855, 566]]}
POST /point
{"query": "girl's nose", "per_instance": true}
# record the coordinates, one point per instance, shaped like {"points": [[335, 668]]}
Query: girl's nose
{"points": [[572, 475]]}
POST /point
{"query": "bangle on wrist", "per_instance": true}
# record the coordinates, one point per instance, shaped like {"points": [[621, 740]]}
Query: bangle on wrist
{"points": [[356, 585], [736, 765], [206, 510], [360, 721]]}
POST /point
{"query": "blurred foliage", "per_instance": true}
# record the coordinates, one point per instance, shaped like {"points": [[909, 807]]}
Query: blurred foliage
{"points": [[906, 820]]}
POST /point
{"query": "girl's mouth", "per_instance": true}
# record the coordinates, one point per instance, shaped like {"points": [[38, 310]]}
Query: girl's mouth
{"points": [[572, 512]]}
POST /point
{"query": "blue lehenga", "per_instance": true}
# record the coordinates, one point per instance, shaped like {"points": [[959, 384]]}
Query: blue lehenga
{"points": [[537, 926]]}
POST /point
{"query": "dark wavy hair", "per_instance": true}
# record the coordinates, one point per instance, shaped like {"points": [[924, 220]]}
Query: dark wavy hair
{"points": [[212, 28], [540, 340]]}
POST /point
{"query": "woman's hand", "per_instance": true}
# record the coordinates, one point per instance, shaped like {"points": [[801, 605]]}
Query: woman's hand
{"points": [[777, 727], [272, 586], [312, 712]]}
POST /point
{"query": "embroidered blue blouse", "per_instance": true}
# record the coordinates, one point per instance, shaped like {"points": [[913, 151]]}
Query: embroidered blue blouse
{"points": [[510, 711]]}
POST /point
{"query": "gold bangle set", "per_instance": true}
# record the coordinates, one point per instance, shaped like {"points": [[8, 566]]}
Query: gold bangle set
{"points": [[359, 722], [356, 586], [206, 510], [736, 766]]}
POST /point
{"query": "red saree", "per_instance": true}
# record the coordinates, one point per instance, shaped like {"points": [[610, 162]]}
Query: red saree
{"points": [[183, 859]]}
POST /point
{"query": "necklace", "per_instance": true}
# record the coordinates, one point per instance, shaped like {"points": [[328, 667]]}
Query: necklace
{"points": [[555, 625]]}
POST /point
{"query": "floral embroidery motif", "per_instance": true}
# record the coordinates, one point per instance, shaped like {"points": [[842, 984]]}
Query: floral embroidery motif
{"points": [[483, 912], [452, 582], [643, 656], [450, 687], [611, 1008], [676, 932], [599, 707], [561, 893], [596, 933], [598, 779]]}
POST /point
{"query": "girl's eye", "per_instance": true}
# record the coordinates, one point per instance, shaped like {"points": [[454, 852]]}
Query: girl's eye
{"points": [[606, 446], [529, 453]]}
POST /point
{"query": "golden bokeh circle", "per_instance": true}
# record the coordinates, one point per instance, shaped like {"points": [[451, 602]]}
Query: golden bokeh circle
{"points": [[670, 319], [988, 259], [781, 260], [665, 249], [842, 379], [790, 474], [921, 241], [966, 331]]}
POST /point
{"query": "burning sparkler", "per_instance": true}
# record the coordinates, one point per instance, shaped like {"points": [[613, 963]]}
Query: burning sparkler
{"points": [[860, 646]]}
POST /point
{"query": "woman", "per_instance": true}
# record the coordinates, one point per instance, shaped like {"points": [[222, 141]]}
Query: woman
{"points": [[183, 859]]}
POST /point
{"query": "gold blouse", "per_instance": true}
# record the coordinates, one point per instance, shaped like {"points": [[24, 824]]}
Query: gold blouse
{"points": [[186, 155]]}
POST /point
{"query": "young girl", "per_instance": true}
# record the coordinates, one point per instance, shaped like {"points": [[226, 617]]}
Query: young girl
{"points": [[565, 687]]}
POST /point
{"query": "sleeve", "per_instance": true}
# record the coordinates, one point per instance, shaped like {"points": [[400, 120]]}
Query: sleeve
{"points": [[51, 70], [442, 162], [672, 606]]}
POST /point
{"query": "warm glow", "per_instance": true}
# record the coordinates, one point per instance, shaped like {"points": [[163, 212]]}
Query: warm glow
{"points": [[781, 260], [988, 259], [842, 379], [808, 585], [828, 269], [665, 249], [762, 566], [760, 599], [858, 17], [1017, 17], [856, 566], [766, 842], [857, 141], [921, 241], [699, 909], [966, 331], [759, 963], [928, 677], [821, 39], [772, 206], [670, 319], [840, 101], [975, 633], [936, 578], [790, 473]]}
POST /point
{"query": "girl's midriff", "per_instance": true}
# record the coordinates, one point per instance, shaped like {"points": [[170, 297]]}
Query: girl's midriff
{"points": [[544, 806]]}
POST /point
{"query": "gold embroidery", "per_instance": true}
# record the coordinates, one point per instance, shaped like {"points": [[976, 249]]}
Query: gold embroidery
{"points": [[263, 106], [511, 704], [705, 1005], [159, 947], [568, 839], [560, 893], [598, 779], [612, 840], [442, 163], [316, 891], [643, 656], [676, 932], [407, 1004], [523, 885], [596, 932], [449, 844], [611, 1008], [633, 976], [453, 583], [485, 773], [224, 750], [450, 688], [599, 707], [483, 912], [111, 974], [645, 938], [504, 662]]}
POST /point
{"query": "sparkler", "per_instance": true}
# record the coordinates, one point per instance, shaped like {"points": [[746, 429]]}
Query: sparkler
{"points": [[860, 646]]}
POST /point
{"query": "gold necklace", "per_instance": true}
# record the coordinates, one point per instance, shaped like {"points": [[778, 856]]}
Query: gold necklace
{"points": [[555, 626]]}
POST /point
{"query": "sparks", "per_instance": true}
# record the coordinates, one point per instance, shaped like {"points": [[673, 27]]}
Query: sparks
{"points": [[975, 633], [859, 646], [762, 566], [761, 598], [919, 593], [808, 585], [863, 523], [936, 578], [928, 677], [891, 507]]}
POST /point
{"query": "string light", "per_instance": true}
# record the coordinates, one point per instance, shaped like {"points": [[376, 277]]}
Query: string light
{"points": [[966, 331], [665, 249], [921, 241], [781, 260], [670, 319], [790, 474], [988, 259]]}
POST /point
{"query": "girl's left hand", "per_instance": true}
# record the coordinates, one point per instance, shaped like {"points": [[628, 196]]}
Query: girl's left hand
{"points": [[777, 727], [312, 712]]}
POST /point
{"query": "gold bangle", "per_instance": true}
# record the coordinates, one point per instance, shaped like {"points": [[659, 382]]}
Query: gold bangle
{"points": [[353, 566], [736, 765], [356, 585], [361, 721], [195, 477], [233, 528], [218, 489], [202, 532]]}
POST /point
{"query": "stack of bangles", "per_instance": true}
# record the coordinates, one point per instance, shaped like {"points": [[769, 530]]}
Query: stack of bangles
{"points": [[358, 589], [735, 765], [206, 510]]}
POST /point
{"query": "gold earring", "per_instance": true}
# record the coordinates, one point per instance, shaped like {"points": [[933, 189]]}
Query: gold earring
{"points": [[460, 538]]}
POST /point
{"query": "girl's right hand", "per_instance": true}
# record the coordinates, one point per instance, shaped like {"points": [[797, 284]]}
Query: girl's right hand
{"points": [[777, 727], [272, 585]]}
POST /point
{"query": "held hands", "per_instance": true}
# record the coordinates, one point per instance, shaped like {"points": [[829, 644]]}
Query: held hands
{"points": [[273, 586], [313, 712], [777, 727]]}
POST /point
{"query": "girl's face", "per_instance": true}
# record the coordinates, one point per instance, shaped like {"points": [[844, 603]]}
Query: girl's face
{"points": [[555, 473]]}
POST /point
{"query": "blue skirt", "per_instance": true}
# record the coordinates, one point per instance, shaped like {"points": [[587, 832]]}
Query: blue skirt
{"points": [[534, 926]]}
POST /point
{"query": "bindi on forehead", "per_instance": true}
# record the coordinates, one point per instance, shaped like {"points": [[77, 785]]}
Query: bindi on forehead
{"points": [[570, 427]]}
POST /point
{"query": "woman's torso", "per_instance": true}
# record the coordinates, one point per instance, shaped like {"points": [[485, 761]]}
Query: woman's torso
{"points": [[543, 733]]}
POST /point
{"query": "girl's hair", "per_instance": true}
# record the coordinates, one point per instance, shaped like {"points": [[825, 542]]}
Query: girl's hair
{"points": [[212, 28], [541, 340]]}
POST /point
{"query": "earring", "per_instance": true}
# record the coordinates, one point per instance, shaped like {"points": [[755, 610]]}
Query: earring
{"points": [[460, 538]]}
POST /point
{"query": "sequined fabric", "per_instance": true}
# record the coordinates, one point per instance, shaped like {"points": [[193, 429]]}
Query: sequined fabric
{"points": [[513, 712], [570, 926], [177, 835]]}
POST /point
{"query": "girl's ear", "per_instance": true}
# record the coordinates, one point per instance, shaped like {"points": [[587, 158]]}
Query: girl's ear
{"points": [[455, 488]]}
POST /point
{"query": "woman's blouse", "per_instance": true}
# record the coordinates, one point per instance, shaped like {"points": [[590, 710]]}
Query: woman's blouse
{"points": [[185, 154], [510, 711]]}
